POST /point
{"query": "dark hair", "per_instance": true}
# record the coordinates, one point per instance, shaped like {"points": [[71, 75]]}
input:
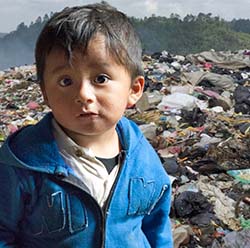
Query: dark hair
{"points": [[75, 27]]}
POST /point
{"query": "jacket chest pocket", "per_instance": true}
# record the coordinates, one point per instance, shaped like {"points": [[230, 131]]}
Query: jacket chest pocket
{"points": [[143, 196], [57, 212], [77, 214]]}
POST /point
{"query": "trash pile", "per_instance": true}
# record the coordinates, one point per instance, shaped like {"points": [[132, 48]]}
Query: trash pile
{"points": [[195, 111], [21, 102]]}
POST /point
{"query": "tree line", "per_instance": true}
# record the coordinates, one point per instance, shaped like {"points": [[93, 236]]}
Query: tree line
{"points": [[191, 34]]}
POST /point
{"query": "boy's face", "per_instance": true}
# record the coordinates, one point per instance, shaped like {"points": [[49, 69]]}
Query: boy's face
{"points": [[88, 96]]}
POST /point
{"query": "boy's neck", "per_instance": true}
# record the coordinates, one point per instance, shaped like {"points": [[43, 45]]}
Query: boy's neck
{"points": [[106, 145]]}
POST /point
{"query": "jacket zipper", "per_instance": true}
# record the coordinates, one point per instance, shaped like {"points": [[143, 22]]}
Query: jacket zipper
{"points": [[122, 158], [103, 211]]}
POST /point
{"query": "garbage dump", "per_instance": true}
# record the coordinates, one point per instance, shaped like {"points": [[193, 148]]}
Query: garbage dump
{"points": [[195, 111]]}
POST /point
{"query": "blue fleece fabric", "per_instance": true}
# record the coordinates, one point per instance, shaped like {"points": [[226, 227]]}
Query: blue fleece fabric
{"points": [[43, 205]]}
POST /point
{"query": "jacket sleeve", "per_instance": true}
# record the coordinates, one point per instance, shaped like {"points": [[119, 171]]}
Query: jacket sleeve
{"points": [[11, 206], [157, 225]]}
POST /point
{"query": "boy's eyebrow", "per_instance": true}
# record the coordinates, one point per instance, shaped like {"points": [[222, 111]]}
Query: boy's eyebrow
{"points": [[98, 64], [59, 68]]}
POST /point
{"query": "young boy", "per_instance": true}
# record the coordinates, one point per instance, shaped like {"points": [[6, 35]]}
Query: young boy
{"points": [[85, 176]]}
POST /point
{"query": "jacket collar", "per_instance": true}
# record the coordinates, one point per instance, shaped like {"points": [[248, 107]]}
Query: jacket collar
{"points": [[34, 147]]}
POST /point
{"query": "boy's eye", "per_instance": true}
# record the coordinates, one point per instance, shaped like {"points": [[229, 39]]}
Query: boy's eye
{"points": [[65, 82], [101, 79]]}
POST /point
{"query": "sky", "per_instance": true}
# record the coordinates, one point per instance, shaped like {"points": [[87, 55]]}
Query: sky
{"points": [[13, 12]]}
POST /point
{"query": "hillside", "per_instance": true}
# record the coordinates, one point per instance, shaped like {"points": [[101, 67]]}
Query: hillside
{"points": [[191, 34], [2, 35]]}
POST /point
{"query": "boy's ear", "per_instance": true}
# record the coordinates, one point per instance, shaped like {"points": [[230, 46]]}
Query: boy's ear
{"points": [[45, 98], [136, 91]]}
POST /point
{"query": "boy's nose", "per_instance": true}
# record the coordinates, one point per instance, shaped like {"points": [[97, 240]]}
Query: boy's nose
{"points": [[85, 94]]}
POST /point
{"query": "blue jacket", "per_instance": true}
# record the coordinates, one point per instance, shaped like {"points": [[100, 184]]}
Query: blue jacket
{"points": [[42, 203]]}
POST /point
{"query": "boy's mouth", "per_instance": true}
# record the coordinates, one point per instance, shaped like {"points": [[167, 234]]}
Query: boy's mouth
{"points": [[88, 114]]}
